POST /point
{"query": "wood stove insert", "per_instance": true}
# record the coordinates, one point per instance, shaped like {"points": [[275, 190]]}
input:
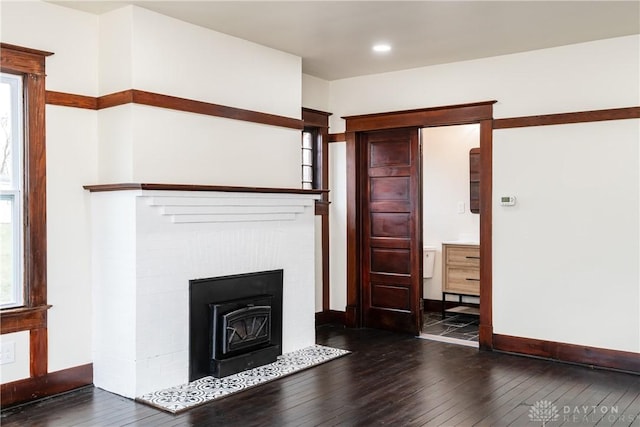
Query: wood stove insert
{"points": [[235, 323]]}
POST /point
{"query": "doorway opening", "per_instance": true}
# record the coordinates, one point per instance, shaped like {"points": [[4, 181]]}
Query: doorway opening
{"points": [[450, 233], [358, 150]]}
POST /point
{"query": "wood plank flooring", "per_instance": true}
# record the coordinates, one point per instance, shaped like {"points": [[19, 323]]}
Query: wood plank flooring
{"points": [[389, 379]]}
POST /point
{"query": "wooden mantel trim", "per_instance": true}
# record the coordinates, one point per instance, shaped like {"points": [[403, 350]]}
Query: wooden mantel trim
{"points": [[198, 187]]}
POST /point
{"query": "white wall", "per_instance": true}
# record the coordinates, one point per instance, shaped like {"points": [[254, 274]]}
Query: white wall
{"points": [[566, 256], [71, 162], [337, 226], [71, 35], [171, 146], [588, 76], [185, 60], [19, 369], [318, 264], [115, 50], [148, 144], [315, 93], [445, 185]]}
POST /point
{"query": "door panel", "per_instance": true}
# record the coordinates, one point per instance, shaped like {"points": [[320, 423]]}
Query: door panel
{"points": [[390, 188], [391, 277], [389, 154], [386, 296], [386, 261], [390, 224]]}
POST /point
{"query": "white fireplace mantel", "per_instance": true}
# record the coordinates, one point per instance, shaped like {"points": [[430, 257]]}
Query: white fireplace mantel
{"points": [[149, 240]]}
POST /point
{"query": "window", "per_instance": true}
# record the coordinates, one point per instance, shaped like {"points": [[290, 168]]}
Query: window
{"points": [[23, 188], [309, 150], [315, 175], [11, 185], [315, 136]]}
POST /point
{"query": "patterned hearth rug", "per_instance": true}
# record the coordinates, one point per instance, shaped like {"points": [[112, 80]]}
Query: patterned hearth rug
{"points": [[180, 398]]}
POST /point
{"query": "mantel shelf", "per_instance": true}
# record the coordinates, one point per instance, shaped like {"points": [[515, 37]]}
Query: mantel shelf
{"points": [[182, 204], [197, 187]]}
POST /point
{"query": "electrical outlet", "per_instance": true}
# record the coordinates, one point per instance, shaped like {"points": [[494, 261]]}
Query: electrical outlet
{"points": [[7, 352]]}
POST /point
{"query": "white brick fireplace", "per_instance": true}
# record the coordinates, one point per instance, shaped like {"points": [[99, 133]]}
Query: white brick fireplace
{"points": [[150, 240]]}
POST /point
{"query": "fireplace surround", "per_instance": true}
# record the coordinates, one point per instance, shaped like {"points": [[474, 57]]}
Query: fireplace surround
{"points": [[235, 323], [150, 240]]}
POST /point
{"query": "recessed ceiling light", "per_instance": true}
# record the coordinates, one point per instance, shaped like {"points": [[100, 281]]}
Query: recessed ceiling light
{"points": [[381, 47]]}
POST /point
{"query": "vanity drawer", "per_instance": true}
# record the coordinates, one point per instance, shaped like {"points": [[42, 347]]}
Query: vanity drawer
{"points": [[463, 280], [462, 255]]}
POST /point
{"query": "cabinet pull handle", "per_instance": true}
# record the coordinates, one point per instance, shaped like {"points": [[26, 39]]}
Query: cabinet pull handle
{"points": [[472, 257], [474, 280]]}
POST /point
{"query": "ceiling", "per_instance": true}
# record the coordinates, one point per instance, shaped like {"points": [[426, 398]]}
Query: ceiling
{"points": [[334, 38]]}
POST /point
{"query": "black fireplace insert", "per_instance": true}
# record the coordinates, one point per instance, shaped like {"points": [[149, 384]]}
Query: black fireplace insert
{"points": [[235, 323]]}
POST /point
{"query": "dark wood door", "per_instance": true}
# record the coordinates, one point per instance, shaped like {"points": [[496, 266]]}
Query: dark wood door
{"points": [[391, 268]]}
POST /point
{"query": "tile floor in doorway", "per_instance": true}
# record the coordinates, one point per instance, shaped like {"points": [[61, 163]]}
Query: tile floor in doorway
{"points": [[458, 326]]}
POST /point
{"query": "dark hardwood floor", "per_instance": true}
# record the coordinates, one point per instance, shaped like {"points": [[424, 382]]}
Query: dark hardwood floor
{"points": [[389, 379]]}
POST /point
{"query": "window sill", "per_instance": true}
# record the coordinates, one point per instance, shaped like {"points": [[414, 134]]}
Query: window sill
{"points": [[23, 319]]}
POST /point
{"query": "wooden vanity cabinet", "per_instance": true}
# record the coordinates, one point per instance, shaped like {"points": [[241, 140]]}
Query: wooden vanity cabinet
{"points": [[460, 274]]}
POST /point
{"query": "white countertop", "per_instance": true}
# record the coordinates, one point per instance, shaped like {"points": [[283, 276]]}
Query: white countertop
{"points": [[461, 242]]}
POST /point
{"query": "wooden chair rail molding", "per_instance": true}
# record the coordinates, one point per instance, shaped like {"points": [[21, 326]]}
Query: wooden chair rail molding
{"points": [[337, 137], [568, 118], [134, 96], [70, 100], [199, 107]]}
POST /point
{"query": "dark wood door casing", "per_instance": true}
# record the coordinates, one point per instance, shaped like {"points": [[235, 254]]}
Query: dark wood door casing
{"points": [[356, 126], [391, 230]]}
